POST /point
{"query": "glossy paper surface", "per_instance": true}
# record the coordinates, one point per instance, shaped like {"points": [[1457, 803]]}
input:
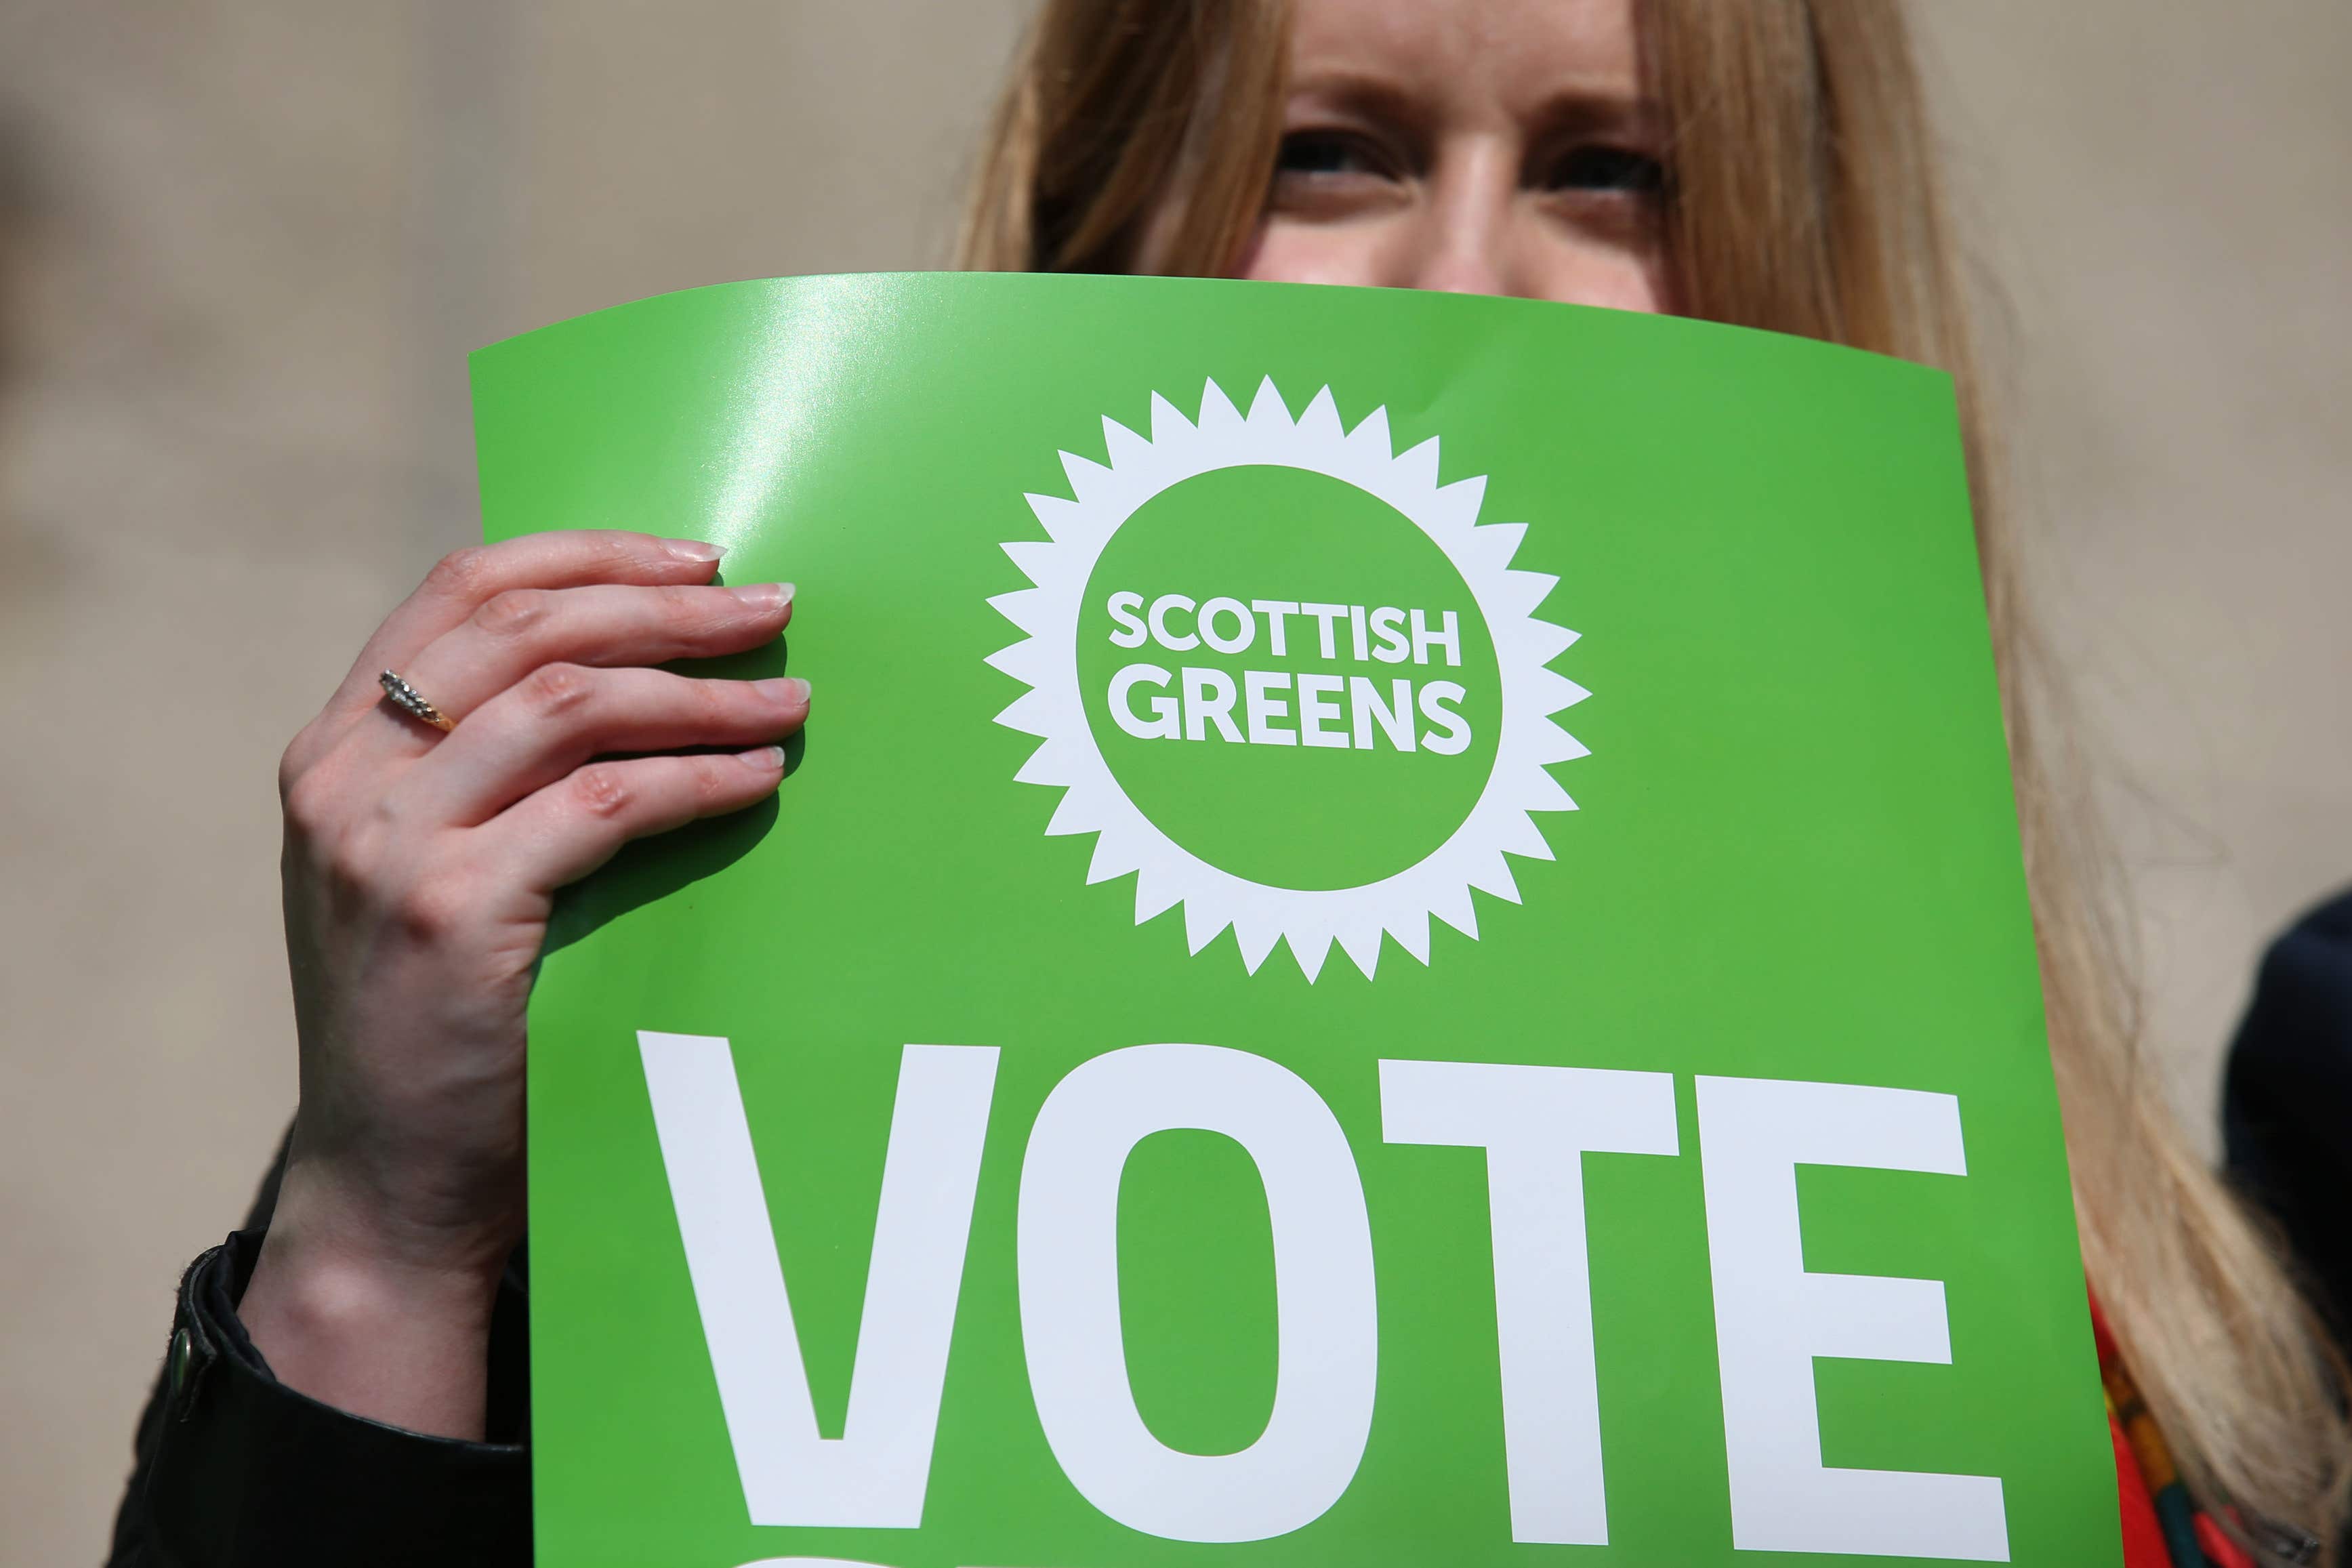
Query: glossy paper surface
{"points": [[1053, 805]]}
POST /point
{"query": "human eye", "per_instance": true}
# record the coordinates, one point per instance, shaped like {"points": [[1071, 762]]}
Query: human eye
{"points": [[1327, 174], [1600, 169], [1330, 154]]}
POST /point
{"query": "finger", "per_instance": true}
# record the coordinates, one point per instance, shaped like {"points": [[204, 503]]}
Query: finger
{"points": [[515, 633], [464, 580], [571, 826], [560, 715]]}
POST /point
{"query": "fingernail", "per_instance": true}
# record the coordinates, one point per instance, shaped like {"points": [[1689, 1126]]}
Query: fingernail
{"points": [[764, 595], [785, 688], [694, 550], [765, 757]]}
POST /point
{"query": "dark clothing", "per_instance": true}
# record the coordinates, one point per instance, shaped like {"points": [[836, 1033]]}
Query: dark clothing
{"points": [[2286, 1106], [235, 1470]]}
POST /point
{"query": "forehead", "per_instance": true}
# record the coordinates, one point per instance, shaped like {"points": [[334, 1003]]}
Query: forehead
{"points": [[1512, 53]]}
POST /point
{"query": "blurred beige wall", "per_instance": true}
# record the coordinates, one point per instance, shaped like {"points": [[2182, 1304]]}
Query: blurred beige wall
{"points": [[2164, 193], [263, 232]]}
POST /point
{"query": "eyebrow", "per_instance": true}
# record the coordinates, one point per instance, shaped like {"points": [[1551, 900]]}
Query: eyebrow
{"points": [[1364, 93], [1568, 111], [1573, 114]]}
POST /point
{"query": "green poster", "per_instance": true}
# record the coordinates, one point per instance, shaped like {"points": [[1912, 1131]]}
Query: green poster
{"points": [[1398, 938]]}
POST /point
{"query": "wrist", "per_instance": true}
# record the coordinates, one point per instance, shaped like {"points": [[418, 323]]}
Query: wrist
{"points": [[392, 1334], [331, 1291], [417, 1221]]}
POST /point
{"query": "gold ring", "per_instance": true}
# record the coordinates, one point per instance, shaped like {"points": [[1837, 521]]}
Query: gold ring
{"points": [[408, 700]]}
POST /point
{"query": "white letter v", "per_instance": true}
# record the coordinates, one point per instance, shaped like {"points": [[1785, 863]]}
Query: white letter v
{"points": [[874, 1474]]}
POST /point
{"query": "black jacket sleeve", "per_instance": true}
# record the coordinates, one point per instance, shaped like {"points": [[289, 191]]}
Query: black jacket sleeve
{"points": [[2286, 1108], [235, 1470]]}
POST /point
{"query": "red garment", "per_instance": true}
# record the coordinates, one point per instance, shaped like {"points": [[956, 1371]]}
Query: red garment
{"points": [[2143, 1536], [2223, 1550]]}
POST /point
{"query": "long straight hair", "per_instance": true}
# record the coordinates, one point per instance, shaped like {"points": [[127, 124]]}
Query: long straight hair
{"points": [[1803, 197]]}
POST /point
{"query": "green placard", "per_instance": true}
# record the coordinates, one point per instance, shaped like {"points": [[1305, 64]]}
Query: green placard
{"points": [[1399, 938]]}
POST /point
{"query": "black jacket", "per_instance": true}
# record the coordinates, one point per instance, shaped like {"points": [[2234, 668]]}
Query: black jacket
{"points": [[235, 1470], [2286, 1105]]}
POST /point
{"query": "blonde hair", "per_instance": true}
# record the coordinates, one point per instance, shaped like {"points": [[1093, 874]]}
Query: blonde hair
{"points": [[1803, 197]]}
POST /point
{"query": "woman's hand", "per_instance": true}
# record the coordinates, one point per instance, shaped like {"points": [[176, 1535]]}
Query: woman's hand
{"points": [[419, 871]]}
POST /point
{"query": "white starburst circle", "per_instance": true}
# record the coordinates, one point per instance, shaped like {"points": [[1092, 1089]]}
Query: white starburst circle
{"points": [[1310, 919]]}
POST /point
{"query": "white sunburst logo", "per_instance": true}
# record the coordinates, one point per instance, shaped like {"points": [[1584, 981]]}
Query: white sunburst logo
{"points": [[1169, 872]]}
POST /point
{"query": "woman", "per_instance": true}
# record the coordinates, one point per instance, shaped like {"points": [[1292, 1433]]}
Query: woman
{"points": [[1763, 161]]}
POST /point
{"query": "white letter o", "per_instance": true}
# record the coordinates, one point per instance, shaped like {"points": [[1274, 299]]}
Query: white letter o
{"points": [[1240, 641], [1325, 1312]]}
